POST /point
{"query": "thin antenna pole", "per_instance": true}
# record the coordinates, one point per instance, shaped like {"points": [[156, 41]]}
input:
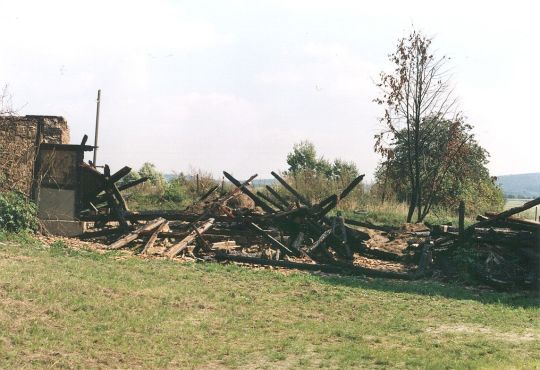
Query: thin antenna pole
{"points": [[97, 127]]}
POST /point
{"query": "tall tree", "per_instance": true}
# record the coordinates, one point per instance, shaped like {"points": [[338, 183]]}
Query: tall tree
{"points": [[417, 97], [453, 169]]}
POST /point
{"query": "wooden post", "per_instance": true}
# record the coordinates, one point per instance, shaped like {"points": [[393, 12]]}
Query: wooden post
{"points": [[198, 186], [461, 219], [97, 128]]}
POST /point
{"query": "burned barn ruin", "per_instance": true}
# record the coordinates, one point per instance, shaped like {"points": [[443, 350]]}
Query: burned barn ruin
{"points": [[281, 227]]}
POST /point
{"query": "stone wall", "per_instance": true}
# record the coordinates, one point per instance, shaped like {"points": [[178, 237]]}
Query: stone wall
{"points": [[18, 139]]}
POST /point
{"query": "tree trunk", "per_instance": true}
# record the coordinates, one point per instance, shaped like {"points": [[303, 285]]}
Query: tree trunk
{"points": [[412, 204]]}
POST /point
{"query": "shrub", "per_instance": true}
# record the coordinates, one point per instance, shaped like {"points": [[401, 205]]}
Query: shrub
{"points": [[17, 213]]}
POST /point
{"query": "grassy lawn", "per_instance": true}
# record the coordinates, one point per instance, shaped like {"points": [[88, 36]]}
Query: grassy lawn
{"points": [[61, 308]]}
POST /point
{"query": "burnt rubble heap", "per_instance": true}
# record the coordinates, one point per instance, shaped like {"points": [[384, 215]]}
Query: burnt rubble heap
{"points": [[506, 249], [292, 232]]}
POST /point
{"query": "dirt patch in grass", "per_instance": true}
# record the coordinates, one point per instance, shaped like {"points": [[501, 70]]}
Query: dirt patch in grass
{"points": [[471, 329]]}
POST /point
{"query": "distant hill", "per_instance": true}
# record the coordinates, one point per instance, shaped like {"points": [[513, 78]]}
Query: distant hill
{"points": [[525, 185]]}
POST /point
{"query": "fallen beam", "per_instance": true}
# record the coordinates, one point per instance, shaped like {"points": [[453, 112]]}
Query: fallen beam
{"points": [[135, 234], [345, 270], [502, 215], [153, 237], [516, 220], [180, 246]]}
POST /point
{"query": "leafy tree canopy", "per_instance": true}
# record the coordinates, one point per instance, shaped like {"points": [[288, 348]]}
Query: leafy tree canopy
{"points": [[304, 159]]}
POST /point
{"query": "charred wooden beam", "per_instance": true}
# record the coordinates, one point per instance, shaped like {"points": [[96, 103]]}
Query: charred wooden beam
{"points": [[502, 215], [208, 193], [351, 186], [248, 192], [296, 194], [119, 174], [313, 248], [169, 215], [234, 192], [516, 220], [326, 201], [328, 268], [278, 197], [270, 200], [132, 183], [330, 205]]}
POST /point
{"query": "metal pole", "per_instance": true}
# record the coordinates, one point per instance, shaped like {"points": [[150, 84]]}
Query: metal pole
{"points": [[97, 127]]}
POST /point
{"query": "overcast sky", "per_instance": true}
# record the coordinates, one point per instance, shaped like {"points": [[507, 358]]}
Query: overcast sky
{"points": [[232, 85]]}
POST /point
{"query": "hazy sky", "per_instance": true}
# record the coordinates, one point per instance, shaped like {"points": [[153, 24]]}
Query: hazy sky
{"points": [[232, 85]]}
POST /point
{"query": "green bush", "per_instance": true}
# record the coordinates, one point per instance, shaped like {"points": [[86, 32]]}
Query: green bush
{"points": [[17, 213]]}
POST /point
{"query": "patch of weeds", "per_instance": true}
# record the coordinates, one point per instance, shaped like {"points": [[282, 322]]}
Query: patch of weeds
{"points": [[17, 212]]}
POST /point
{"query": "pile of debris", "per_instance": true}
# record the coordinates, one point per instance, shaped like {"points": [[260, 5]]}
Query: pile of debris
{"points": [[505, 249], [284, 231]]}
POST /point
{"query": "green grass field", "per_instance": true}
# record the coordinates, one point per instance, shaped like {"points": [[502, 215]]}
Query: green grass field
{"points": [[61, 308]]}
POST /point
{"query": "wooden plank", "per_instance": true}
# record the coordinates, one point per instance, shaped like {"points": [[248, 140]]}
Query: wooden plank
{"points": [[135, 234], [180, 246], [153, 237]]}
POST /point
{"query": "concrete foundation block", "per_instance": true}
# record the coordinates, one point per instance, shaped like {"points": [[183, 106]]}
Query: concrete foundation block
{"points": [[63, 227]]}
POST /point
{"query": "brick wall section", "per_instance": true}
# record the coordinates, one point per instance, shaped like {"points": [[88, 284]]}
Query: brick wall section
{"points": [[18, 137]]}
